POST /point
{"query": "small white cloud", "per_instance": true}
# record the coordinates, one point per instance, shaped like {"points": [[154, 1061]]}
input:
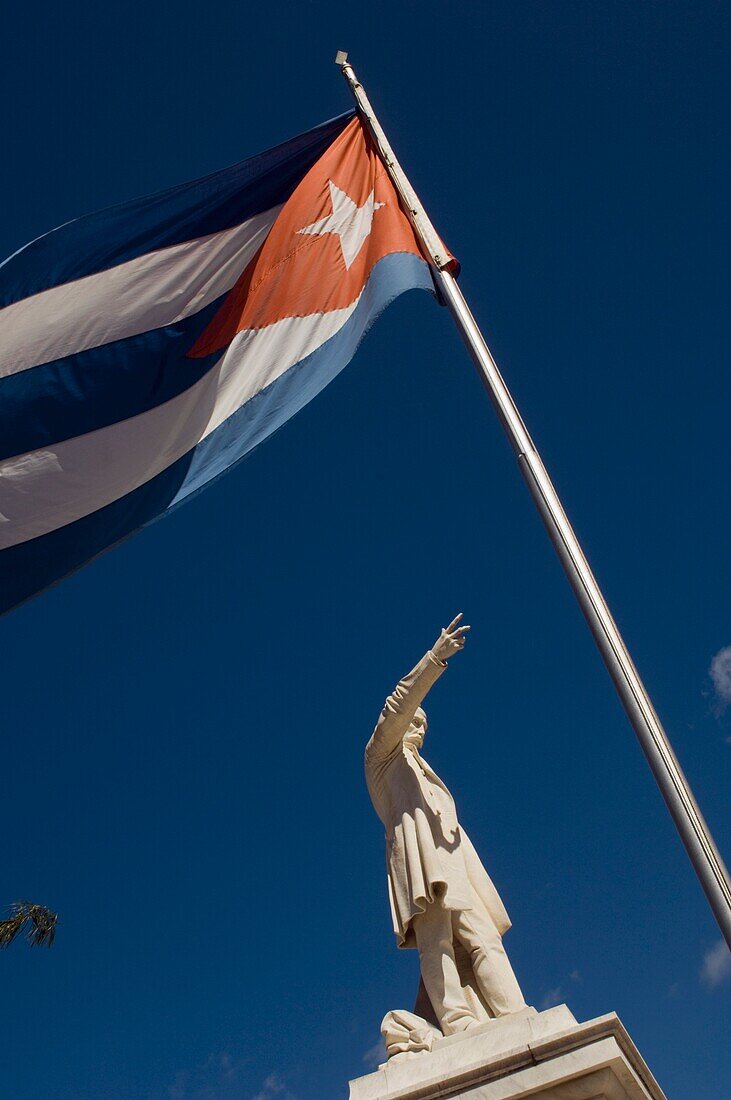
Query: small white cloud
{"points": [[219, 1076], [552, 997], [273, 1086], [375, 1055], [716, 965], [720, 673], [227, 1066], [555, 996]]}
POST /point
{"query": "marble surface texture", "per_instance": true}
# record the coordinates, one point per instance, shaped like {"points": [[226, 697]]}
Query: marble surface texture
{"points": [[546, 1055]]}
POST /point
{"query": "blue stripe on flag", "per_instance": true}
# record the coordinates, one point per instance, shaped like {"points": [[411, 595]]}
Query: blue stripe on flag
{"points": [[83, 392], [29, 567], [220, 201]]}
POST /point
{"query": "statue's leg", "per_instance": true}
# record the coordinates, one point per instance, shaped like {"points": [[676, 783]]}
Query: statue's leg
{"points": [[433, 932], [490, 964]]}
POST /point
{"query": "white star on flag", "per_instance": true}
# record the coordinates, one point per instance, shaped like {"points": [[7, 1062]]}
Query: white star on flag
{"points": [[350, 222]]}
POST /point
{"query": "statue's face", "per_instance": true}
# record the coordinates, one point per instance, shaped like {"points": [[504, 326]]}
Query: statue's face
{"points": [[416, 732]]}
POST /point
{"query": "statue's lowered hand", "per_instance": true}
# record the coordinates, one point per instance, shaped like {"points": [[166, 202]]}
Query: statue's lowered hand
{"points": [[451, 640]]}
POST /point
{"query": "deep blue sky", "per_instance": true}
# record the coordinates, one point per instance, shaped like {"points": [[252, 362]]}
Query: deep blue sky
{"points": [[184, 719]]}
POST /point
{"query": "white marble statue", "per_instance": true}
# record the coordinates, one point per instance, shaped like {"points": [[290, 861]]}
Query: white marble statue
{"points": [[442, 900]]}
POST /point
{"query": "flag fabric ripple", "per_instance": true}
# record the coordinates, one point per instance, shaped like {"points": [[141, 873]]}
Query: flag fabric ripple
{"points": [[147, 348]]}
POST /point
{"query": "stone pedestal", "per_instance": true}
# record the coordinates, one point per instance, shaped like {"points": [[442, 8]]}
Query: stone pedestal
{"points": [[545, 1055]]}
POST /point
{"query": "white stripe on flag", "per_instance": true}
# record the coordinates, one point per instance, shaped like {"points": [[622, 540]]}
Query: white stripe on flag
{"points": [[146, 293], [47, 489]]}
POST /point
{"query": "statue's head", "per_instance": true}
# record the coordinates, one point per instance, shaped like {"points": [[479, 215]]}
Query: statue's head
{"points": [[416, 732]]}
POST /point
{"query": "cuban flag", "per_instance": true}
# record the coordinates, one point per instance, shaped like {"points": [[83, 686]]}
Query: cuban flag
{"points": [[145, 349]]}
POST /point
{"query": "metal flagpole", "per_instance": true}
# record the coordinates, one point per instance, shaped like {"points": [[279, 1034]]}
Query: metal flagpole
{"points": [[694, 833]]}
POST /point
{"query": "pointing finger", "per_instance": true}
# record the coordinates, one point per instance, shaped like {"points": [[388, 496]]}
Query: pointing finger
{"points": [[454, 622]]}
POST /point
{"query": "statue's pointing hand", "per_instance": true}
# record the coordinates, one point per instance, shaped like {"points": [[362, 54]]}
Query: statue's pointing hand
{"points": [[450, 641]]}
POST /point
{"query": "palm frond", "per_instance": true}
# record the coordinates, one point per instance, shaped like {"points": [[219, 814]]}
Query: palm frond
{"points": [[9, 929], [43, 929], [42, 924]]}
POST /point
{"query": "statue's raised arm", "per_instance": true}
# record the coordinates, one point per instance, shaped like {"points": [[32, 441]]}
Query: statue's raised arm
{"points": [[402, 709]]}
